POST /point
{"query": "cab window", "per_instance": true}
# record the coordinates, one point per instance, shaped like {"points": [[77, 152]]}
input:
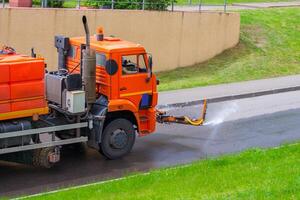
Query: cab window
{"points": [[100, 59], [133, 64]]}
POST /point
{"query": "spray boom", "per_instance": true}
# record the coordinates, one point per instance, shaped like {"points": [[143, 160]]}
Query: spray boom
{"points": [[161, 117]]}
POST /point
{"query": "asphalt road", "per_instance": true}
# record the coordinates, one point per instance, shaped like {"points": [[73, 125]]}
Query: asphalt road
{"points": [[264, 121]]}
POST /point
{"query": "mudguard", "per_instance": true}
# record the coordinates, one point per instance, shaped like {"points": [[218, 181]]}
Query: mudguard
{"points": [[98, 111]]}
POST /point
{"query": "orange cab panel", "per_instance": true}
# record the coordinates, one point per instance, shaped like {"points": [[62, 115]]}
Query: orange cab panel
{"points": [[103, 81]]}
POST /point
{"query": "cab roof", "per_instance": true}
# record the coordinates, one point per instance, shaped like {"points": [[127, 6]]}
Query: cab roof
{"points": [[108, 44]]}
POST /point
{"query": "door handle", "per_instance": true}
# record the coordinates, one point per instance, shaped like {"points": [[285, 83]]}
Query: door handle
{"points": [[123, 88]]}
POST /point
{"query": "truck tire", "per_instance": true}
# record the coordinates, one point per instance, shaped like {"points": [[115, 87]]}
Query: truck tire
{"points": [[40, 157], [117, 139], [43, 157], [36, 157]]}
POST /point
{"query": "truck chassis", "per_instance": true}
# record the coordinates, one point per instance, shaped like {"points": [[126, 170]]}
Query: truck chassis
{"points": [[38, 131]]}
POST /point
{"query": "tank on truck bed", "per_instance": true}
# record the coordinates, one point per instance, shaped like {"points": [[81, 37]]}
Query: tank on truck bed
{"points": [[18, 75]]}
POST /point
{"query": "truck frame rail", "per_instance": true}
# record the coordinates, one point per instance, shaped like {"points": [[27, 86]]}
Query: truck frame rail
{"points": [[51, 130]]}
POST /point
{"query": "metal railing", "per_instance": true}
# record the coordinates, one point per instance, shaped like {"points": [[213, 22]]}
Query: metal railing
{"points": [[112, 4], [130, 4]]}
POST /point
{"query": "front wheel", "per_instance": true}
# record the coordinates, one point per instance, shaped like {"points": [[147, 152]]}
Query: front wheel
{"points": [[117, 139]]}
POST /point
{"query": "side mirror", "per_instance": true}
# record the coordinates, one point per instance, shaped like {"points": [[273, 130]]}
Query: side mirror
{"points": [[150, 63], [150, 68], [111, 67]]}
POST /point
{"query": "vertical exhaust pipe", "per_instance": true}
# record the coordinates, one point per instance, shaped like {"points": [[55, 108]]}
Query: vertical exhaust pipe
{"points": [[87, 33], [88, 67]]}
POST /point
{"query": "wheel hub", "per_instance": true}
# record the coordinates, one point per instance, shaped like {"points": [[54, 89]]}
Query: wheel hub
{"points": [[118, 139]]}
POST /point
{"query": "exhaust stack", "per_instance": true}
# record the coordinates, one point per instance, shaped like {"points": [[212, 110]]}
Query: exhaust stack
{"points": [[88, 67], [87, 32]]}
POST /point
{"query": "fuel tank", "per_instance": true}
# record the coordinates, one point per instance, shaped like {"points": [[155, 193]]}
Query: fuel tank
{"points": [[15, 125]]}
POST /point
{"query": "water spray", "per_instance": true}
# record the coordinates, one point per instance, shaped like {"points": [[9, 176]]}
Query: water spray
{"points": [[223, 114]]}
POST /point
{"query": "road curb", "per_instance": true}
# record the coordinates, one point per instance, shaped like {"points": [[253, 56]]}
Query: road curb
{"points": [[247, 6], [231, 97]]}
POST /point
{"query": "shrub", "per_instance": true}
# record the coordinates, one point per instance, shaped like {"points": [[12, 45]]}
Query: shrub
{"points": [[158, 4], [92, 3], [56, 3], [130, 4], [36, 2], [51, 3]]}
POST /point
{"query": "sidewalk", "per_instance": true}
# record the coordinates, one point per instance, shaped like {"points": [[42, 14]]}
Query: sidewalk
{"points": [[268, 5], [229, 91], [196, 8], [235, 6]]}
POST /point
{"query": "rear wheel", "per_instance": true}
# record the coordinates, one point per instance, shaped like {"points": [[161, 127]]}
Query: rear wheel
{"points": [[46, 157], [117, 139]]}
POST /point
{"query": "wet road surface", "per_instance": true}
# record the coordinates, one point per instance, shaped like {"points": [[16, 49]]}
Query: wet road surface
{"points": [[231, 127]]}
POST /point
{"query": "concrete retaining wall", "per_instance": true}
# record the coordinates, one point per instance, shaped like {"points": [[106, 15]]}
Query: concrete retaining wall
{"points": [[175, 39]]}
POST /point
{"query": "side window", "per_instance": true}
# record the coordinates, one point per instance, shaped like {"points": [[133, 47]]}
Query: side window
{"points": [[133, 64], [100, 59], [142, 63], [72, 52]]}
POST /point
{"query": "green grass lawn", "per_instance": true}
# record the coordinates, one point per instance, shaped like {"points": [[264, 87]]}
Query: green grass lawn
{"points": [[254, 174], [269, 47]]}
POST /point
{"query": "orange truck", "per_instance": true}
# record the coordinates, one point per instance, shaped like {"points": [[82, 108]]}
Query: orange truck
{"points": [[104, 93]]}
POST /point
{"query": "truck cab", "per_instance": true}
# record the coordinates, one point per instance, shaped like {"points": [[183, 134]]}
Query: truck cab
{"points": [[120, 74], [123, 78]]}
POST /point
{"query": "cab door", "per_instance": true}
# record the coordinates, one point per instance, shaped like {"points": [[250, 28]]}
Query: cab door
{"points": [[135, 84]]}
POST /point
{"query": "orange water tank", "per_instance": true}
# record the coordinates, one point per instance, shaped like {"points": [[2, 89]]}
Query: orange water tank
{"points": [[22, 87]]}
